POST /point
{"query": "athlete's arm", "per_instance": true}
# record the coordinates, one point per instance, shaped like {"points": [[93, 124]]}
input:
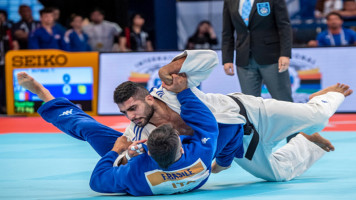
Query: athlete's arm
{"points": [[196, 64], [196, 114], [108, 179], [105, 178]]}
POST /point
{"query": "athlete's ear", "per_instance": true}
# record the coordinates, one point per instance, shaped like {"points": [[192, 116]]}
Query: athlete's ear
{"points": [[149, 99], [181, 150]]}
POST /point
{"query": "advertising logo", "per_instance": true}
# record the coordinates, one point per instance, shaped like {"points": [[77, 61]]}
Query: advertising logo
{"points": [[146, 70]]}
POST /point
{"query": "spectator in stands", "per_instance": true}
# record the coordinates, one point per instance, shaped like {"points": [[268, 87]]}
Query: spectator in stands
{"points": [[101, 33], [335, 35], [324, 7], [75, 38], [349, 10], [22, 29], [5, 45], [56, 15], [134, 38], [5, 36], [47, 36], [203, 38]]}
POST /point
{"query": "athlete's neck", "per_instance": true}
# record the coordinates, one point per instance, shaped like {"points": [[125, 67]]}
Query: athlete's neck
{"points": [[162, 113]]}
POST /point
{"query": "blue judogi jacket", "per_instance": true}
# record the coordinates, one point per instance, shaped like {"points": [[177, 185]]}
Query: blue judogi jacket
{"points": [[41, 39], [142, 175], [75, 43]]}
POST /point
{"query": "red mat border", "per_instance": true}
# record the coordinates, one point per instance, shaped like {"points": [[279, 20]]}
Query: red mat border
{"points": [[338, 122]]}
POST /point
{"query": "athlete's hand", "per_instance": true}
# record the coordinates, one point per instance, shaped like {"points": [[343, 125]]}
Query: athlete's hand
{"points": [[229, 69], [283, 64], [121, 144], [179, 84], [135, 145], [216, 168], [134, 149], [165, 73], [165, 77]]}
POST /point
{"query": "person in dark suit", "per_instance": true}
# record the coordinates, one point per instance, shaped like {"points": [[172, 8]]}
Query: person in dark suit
{"points": [[263, 45]]}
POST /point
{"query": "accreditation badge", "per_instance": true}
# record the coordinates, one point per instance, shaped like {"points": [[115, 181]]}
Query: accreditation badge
{"points": [[57, 36], [99, 45], [263, 9]]}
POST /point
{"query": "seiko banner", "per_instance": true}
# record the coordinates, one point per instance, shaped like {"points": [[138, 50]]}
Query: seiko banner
{"points": [[69, 75]]}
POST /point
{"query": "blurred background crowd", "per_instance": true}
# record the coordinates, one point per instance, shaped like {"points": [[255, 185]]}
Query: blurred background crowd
{"points": [[115, 26], [148, 25]]}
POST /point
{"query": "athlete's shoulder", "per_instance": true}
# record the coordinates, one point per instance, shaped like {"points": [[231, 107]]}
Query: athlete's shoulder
{"points": [[158, 91]]}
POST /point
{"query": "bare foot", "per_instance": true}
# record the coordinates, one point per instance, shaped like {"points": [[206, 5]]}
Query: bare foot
{"points": [[341, 88], [29, 83], [320, 141], [216, 168]]}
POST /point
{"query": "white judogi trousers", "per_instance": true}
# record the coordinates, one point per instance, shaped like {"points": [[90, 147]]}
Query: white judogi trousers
{"points": [[275, 120]]}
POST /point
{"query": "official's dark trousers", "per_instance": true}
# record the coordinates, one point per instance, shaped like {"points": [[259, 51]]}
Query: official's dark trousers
{"points": [[252, 76]]}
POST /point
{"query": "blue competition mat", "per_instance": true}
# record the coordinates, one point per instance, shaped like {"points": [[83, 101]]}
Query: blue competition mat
{"points": [[56, 166]]}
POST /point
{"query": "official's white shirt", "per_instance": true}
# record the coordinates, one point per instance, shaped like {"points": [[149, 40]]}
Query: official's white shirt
{"points": [[242, 3]]}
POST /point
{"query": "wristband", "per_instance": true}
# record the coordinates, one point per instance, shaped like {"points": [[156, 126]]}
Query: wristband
{"points": [[127, 156]]}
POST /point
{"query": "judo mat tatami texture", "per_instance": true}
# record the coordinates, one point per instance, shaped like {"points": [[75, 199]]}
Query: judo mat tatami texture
{"points": [[56, 166]]}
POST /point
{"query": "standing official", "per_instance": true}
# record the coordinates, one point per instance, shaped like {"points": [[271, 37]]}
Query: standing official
{"points": [[263, 45]]}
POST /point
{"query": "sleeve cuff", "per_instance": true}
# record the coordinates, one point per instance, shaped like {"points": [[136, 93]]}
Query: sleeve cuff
{"points": [[119, 158], [112, 154], [223, 164], [183, 94]]}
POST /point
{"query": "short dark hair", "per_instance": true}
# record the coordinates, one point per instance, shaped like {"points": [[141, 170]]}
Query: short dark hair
{"points": [[22, 6], [333, 13], [46, 11], [163, 144], [129, 89], [201, 23], [132, 17], [54, 8], [101, 11], [4, 13]]}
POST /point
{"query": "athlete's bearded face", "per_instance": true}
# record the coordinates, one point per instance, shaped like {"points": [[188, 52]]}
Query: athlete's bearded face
{"points": [[137, 111]]}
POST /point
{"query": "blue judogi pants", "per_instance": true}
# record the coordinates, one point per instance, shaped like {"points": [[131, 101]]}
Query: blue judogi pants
{"points": [[73, 121]]}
